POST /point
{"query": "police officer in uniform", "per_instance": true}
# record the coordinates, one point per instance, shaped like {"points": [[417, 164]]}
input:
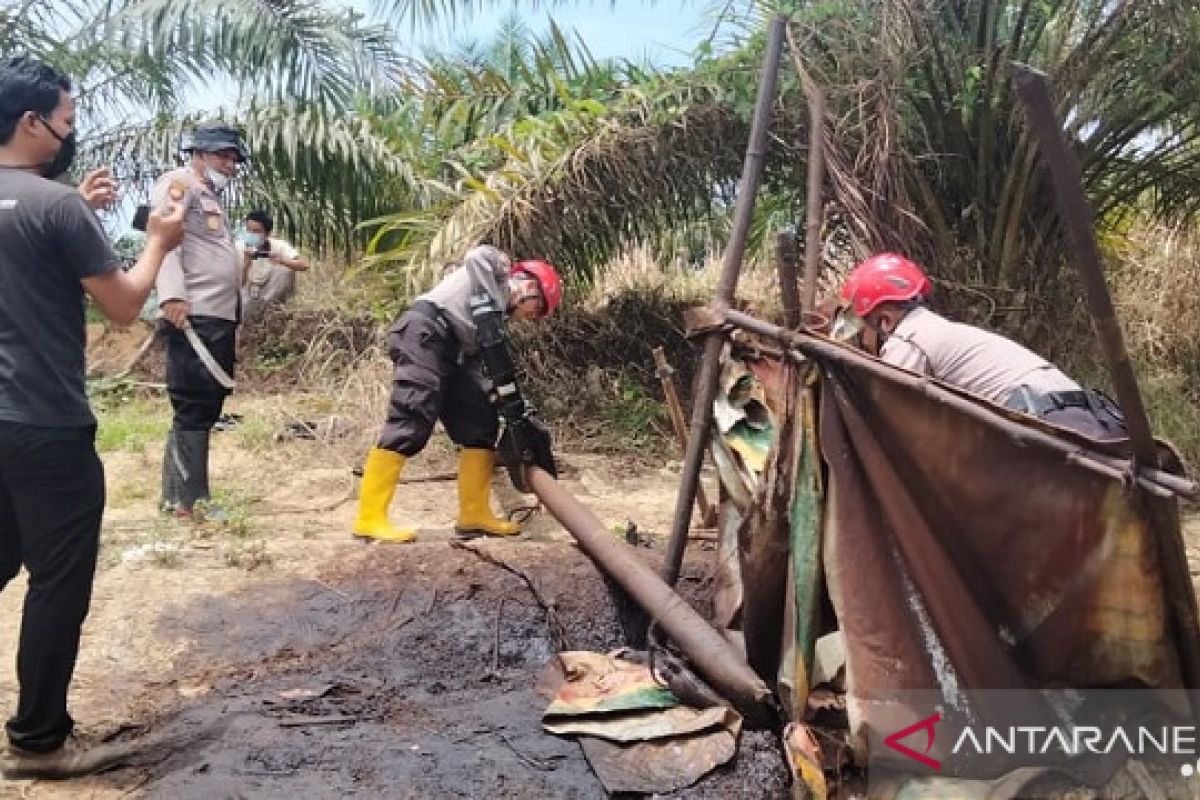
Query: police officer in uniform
{"points": [[883, 306], [198, 287], [439, 373]]}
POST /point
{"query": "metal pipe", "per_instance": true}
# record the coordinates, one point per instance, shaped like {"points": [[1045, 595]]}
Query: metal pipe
{"points": [[786, 259], [815, 210], [814, 205], [713, 657], [1080, 226], [1155, 481], [709, 373]]}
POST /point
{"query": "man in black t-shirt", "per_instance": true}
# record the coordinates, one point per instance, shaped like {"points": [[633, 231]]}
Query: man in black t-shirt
{"points": [[52, 251]]}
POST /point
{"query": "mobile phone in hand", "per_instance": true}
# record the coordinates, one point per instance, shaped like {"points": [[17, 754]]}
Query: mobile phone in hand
{"points": [[140, 217]]}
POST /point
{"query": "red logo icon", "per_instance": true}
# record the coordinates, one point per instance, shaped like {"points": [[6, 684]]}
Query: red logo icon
{"points": [[927, 725]]}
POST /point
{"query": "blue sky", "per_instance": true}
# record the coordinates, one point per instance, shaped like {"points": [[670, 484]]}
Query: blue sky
{"points": [[665, 31]]}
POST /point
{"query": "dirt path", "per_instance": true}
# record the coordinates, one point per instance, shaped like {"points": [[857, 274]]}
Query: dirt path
{"points": [[278, 657]]}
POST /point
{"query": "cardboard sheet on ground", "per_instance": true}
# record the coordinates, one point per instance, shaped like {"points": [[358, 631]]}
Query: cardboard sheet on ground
{"points": [[634, 733], [660, 765], [595, 683]]}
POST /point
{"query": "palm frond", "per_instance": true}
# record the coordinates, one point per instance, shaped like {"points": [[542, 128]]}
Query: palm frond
{"points": [[284, 50]]}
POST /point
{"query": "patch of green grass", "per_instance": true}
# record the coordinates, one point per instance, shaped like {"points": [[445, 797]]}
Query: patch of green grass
{"points": [[131, 424], [238, 507], [634, 415], [243, 545], [254, 433]]}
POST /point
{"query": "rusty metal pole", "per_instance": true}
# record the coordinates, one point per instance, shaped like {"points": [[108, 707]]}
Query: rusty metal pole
{"points": [[815, 208], [1077, 218], [814, 205], [714, 658], [1157, 482], [786, 260], [706, 381], [1080, 227], [665, 372]]}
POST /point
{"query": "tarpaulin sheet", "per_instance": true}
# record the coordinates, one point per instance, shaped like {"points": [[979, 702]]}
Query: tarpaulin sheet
{"points": [[957, 556], [774, 536]]}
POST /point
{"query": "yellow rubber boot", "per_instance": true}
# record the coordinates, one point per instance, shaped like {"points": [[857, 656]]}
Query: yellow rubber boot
{"points": [[380, 474], [475, 495]]}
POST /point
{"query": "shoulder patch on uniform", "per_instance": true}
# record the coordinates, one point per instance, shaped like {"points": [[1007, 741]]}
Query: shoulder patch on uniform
{"points": [[178, 189]]}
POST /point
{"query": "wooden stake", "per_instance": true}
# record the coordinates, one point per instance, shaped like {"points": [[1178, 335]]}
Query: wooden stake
{"points": [[666, 374]]}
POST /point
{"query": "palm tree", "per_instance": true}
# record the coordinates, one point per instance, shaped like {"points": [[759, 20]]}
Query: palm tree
{"points": [[928, 150], [302, 73], [929, 144], [534, 144], [477, 117]]}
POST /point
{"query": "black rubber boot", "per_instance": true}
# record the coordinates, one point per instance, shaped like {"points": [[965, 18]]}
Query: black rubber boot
{"points": [[191, 461], [169, 501]]}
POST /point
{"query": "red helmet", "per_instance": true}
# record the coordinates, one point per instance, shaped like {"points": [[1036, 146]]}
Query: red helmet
{"points": [[887, 277], [547, 277]]}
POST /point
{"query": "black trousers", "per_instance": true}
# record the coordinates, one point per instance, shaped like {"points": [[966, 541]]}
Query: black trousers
{"points": [[196, 397], [429, 383], [1095, 423], [51, 504]]}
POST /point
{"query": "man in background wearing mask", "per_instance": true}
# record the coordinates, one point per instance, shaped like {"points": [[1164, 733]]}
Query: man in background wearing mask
{"points": [[198, 287], [52, 251], [271, 267]]}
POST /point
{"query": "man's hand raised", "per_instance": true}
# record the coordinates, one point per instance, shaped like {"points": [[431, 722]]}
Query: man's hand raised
{"points": [[99, 189], [164, 227]]}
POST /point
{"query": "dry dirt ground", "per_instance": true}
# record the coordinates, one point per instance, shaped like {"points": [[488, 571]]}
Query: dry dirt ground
{"points": [[278, 657]]}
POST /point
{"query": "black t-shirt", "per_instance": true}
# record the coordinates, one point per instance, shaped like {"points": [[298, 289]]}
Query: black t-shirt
{"points": [[49, 240]]}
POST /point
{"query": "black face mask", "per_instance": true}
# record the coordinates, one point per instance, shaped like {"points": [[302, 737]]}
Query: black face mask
{"points": [[65, 156]]}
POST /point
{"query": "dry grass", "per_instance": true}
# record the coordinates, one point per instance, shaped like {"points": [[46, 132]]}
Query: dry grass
{"points": [[1155, 287], [590, 369], [637, 271], [1157, 291]]}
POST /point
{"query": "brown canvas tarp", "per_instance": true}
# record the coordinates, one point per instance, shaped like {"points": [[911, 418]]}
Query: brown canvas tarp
{"points": [[953, 552], [957, 556]]}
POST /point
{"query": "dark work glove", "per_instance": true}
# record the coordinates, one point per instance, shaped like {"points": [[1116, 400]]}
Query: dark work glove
{"points": [[526, 441]]}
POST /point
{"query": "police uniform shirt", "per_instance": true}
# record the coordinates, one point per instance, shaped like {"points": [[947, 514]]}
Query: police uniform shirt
{"points": [[970, 358], [485, 269], [205, 270]]}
